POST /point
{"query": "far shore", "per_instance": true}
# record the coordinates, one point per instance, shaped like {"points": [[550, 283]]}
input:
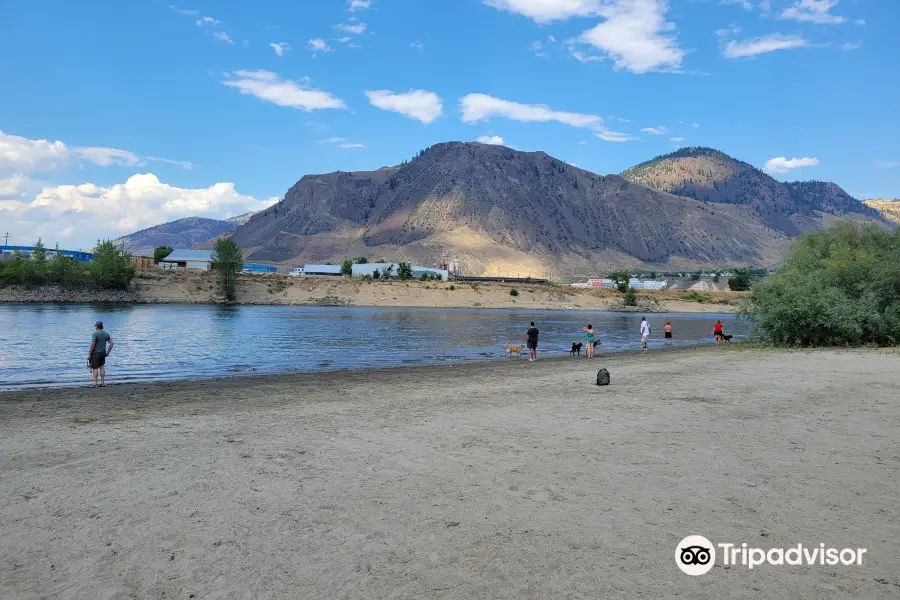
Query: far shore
{"points": [[497, 480], [153, 287]]}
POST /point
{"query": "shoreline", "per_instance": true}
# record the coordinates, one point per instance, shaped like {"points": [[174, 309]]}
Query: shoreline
{"points": [[500, 480], [199, 289]]}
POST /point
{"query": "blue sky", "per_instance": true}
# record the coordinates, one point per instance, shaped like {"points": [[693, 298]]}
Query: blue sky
{"points": [[120, 115]]}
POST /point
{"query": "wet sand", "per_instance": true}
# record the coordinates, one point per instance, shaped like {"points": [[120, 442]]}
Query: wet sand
{"points": [[484, 481]]}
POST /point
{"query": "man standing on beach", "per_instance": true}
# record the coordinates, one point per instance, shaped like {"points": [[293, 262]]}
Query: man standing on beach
{"points": [[532, 338], [98, 353], [645, 332]]}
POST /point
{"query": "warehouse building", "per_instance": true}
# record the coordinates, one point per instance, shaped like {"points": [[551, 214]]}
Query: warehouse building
{"points": [[76, 255], [200, 260]]}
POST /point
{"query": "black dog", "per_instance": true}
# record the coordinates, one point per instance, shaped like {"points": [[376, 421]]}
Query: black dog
{"points": [[727, 338], [576, 349]]}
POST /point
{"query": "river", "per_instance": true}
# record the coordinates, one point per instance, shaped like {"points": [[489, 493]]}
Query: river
{"points": [[46, 345]]}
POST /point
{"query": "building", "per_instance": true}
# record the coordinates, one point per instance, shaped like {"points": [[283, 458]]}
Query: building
{"points": [[368, 270], [200, 260], [254, 268], [417, 272], [634, 283], [143, 262], [76, 255], [317, 270]]}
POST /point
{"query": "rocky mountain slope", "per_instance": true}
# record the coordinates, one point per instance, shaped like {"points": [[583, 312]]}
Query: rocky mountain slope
{"points": [[180, 234], [889, 209], [716, 178], [500, 211]]}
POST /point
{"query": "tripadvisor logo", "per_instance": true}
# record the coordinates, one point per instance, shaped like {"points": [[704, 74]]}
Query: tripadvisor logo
{"points": [[696, 555]]}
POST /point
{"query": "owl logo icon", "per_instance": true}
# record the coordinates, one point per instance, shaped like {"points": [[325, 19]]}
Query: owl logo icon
{"points": [[695, 555]]}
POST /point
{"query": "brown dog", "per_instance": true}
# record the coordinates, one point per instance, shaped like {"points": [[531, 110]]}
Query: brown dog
{"points": [[514, 349]]}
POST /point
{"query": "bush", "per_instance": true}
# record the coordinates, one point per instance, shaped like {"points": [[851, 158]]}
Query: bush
{"points": [[227, 262], [740, 281], [112, 267], [622, 280], [452, 287], [514, 292], [630, 297], [404, 271], [840, 286], [347, 267], [425, 277]]}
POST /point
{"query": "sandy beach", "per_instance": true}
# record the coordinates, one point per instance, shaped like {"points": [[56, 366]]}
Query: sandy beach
{"points": [[494, 480]]}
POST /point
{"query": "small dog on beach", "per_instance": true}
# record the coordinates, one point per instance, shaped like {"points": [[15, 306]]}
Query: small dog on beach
{"points": [[510, 350], [576, 349], [727, 338]]}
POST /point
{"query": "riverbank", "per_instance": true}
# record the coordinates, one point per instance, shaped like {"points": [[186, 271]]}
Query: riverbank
{"points": [[154, 287], [504, 479]]}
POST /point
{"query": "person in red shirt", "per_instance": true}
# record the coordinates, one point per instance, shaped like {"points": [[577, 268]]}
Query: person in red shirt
{"points": [[718, 331]]}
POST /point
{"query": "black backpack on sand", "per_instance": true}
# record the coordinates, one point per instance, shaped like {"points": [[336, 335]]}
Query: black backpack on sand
{"points": [[602, 377]]}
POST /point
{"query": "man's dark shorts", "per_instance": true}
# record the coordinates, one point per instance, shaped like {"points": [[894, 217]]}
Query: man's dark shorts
{"points": [[98, 359], [532, 345]]}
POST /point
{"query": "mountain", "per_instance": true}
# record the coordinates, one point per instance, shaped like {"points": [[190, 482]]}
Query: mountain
{"points": [[500, 211], [889, 209], [716, 178], [504, 212], [180, 234], [241, 219]]}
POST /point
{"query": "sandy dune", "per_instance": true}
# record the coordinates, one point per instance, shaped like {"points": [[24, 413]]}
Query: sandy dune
{"points": [[487, 481]]}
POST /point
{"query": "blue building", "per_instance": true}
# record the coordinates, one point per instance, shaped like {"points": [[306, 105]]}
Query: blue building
{"points": [[254, 268], [77, 255]]}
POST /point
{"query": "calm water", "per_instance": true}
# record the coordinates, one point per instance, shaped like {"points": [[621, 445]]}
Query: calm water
{"points": [[46, 345]]}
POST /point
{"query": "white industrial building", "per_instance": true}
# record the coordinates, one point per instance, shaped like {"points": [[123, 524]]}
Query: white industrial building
{"points": [[200, 260], [367, 270], [317, 270]]}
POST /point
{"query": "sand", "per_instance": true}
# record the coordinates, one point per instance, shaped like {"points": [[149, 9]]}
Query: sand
{"points": [[485, 481], [195, 287]]}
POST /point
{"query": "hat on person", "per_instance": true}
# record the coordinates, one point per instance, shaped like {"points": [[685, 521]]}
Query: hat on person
{"points": [[99, 324]]}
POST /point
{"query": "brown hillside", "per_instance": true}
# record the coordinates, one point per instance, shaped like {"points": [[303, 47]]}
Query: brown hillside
{"points": [[712, 176], [889, 209], [502, 211]]}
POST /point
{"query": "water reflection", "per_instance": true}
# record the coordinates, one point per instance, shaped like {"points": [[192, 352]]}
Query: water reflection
{"points": [[46, 345]]}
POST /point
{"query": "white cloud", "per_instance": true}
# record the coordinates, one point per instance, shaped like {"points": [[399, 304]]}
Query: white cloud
{"points": [[184, 11], [14, 186], [887, 164], [352, 145], [208, 21], [860, 21], [221, 35], [583, 57], [29, 156], [343, 143], [546, 11], [696, 125], [781, 164], [728, 31], [762, 45], [636, 36], [333, 140], [491, 140], [78, 215], [417, 45], [481, 107], [269, 87], [355, 28], [851, 45], [655, 130], [582, 143], [416, 104], [677, 139], [357, 5], [280, 48], [813, 11], [613, 136], [319, 45]]}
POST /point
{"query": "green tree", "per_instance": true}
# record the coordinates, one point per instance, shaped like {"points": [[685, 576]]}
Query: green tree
{"points": [[112, 267], [622, 280], [404, 271], [362, 260], [160, 253], [227, 262], [376, 274], [839, 286], [39, 253], [388, 271], [64, 271], [347, 267], [739, 281]]}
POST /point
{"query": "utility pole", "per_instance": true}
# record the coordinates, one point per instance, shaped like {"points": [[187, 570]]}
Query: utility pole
{"points": [[6, 241]]}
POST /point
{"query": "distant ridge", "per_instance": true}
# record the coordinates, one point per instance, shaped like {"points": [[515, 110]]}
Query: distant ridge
{"points": [[180, 235]]}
